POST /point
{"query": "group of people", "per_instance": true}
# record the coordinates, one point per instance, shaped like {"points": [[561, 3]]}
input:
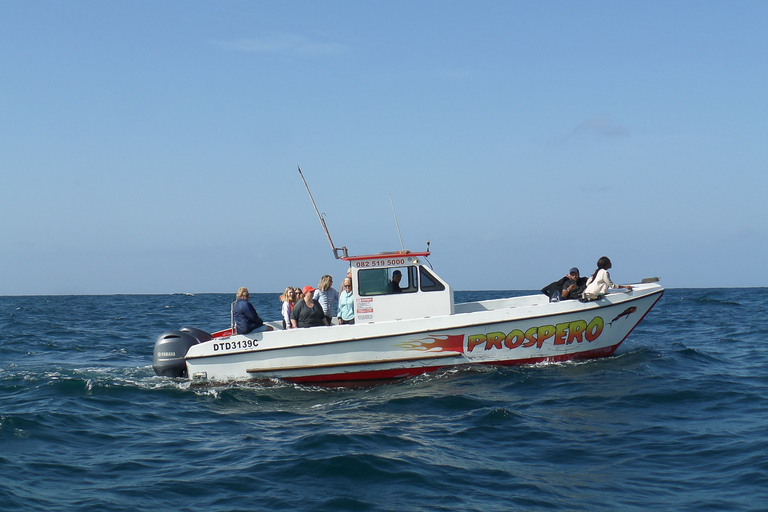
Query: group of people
{"points": [[573, 286], [302, 307], [312, 307]]}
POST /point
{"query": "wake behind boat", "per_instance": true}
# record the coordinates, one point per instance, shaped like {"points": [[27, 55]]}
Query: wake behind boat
{"points": [[415, 330]]}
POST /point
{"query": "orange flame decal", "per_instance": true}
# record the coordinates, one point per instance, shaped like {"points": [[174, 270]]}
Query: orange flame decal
{"points": [[444, 343]]}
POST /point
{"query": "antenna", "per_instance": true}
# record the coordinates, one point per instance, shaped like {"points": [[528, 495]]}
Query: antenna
{"points": [[430, 263], [396, 223], [322, 221]]}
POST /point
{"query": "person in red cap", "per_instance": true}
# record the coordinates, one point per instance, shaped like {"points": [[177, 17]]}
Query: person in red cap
{"points": [[308, 312]]}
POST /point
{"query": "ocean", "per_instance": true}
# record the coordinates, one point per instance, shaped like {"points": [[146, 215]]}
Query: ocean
{"points": [[676, 419]]}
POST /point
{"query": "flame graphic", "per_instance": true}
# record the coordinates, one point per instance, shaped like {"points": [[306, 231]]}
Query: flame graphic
{"points": [[443, 343]]}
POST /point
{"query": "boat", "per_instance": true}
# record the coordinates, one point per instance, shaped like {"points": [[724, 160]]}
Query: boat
{"points": [[407, 330], [401, 334]]}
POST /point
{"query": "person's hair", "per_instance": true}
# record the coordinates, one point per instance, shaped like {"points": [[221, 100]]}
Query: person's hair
{"points": [[287, 294], [242, 292], [325, 283], [602, 264]]}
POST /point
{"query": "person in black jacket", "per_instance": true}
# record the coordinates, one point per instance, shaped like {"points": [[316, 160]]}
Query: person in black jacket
{"points": [[569, 287]]}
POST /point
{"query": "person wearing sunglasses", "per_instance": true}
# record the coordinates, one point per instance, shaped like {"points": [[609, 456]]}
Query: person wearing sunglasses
{"points": [[346, 313]]}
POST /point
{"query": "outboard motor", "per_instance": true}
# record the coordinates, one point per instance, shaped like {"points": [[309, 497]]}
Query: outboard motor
{"points": [[172, 346]]}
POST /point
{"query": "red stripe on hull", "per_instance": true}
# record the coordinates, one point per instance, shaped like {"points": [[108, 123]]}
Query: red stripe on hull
{"points": [[403, 373]]}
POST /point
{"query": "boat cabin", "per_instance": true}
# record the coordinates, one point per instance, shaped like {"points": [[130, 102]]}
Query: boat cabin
{"points": [[397, 286]]}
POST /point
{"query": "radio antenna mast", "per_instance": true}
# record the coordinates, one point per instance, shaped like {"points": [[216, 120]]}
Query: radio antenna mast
{"points": [[396, 223], [322, 222]]}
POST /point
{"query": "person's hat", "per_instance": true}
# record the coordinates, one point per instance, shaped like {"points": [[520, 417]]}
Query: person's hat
{"points": [[308, 289], [396, 273], [574, 270]]}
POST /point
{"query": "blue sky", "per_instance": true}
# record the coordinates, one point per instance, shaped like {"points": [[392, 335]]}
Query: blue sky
{"points": [[151, 147]]}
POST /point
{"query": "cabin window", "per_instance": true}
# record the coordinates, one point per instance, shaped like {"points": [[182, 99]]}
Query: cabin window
{"points": [[384, 281], [429, 283]]}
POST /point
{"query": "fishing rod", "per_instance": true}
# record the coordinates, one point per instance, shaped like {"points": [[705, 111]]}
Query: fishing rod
{"points": [[335, 249], [397, 224]]}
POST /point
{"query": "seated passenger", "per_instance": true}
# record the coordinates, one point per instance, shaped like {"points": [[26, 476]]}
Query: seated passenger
{"points": [[245, 316], [569, 287]]}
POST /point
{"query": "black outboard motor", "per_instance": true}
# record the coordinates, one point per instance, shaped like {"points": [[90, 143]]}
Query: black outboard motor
{"points": [[172, 346]]}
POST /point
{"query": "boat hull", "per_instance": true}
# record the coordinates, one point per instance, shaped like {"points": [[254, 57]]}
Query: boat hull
{"points": [[517, 331]]}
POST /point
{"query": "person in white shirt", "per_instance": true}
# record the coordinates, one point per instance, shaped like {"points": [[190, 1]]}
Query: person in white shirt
{"points": [[600, 281]]}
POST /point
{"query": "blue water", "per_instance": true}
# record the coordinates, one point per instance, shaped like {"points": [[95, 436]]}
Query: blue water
{"points": [[677, 419]]}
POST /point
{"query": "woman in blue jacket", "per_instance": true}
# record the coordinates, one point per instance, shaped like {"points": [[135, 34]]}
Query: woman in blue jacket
{"points": [[246, 318]]}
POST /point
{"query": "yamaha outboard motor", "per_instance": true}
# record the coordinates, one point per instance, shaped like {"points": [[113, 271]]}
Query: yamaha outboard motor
{"points": [[172, 346]]}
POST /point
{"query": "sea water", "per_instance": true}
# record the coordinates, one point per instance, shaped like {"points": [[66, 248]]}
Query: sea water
{"points": [[676, 419]]}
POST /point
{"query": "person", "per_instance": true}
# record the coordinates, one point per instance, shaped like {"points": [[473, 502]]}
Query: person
{"points": [[600, 281], [327, 296], [308, 312], [394, 285], [569, 287], [245, 316], [346, 313], [288, 298]]}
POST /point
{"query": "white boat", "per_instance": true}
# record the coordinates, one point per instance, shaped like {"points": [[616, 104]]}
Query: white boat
{"points": [[417, 330]]}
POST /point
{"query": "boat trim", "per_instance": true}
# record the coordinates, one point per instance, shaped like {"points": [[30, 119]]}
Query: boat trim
{"points": [[393, 254], [357, 363]]}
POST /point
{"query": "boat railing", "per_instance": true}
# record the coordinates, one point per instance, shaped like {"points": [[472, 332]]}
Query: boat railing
{"points": [[537, 299]]}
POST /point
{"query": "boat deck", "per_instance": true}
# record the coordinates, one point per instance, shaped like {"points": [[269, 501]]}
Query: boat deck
{"points": [[529, 300]]}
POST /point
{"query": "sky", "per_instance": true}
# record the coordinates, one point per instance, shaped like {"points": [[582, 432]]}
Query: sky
{"points": [[152, 146]]}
